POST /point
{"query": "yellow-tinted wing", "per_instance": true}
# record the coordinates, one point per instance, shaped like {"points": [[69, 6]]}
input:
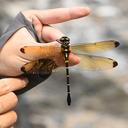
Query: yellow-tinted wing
{"points": [[95, 47], [41, 66], [90, 62]]}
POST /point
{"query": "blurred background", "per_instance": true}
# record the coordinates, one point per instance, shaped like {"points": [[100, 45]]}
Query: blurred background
{"points": [[99, 99]]}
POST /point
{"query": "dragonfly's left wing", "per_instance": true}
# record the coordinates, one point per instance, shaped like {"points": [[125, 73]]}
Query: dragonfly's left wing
{"points": [[41, 66], [90, 62], [95, 47]]}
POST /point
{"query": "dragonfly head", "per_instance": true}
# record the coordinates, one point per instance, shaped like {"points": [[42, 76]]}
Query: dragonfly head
{"points": [[65, 40]]}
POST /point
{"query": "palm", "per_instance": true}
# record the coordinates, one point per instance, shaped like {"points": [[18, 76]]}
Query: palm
{"points": [[12, 59]]}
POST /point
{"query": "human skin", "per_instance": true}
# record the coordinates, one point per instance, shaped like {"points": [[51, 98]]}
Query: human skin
{"points": [[12, 61]]}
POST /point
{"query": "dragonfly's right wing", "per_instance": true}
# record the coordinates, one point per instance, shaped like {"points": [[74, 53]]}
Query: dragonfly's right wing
{"points": [[94, 47], [89, 62]]}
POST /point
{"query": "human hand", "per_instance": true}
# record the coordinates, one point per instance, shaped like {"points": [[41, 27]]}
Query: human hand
{"points": [[8, 100], [12, 59]]}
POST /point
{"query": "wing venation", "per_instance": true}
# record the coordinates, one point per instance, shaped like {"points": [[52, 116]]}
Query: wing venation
{"points": [[95, 47], [89, 62]]}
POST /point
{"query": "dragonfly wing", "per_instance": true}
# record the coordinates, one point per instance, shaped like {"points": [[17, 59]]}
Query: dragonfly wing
{"points": [[39, 52], [42, 66], [90, 62], [95, 47]]}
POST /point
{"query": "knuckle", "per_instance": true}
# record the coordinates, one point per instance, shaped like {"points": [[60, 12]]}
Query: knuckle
{"points": [[8, 101], [4, 86], [1, 107], [14, 115], [8, 119], [15, 98], [2, 125]]}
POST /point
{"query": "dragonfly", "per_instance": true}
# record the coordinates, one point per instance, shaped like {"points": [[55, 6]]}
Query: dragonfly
{"points": [[83, 50]]}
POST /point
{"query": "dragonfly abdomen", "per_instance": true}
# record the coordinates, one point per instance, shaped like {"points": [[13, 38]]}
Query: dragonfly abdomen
{"points": [[68, 83], [65, 49]]}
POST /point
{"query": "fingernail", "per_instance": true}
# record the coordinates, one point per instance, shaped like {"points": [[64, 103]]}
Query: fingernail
{"points": [[88, 9], [77, 59], [85, 10]]}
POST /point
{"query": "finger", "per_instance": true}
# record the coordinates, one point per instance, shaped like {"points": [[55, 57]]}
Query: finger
{"points": [[73, 60], [38, 26], [50, 33], [8, 102], [8, 119], [12, 84], [58, 15], [46, 32]]}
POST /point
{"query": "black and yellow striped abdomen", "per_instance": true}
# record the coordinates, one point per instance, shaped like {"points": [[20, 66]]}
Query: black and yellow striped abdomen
{"points": [[65, 49]]}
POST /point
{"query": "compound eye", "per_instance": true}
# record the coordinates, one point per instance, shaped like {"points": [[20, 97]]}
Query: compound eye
{"points": [[67, 39], [62, 39]]}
